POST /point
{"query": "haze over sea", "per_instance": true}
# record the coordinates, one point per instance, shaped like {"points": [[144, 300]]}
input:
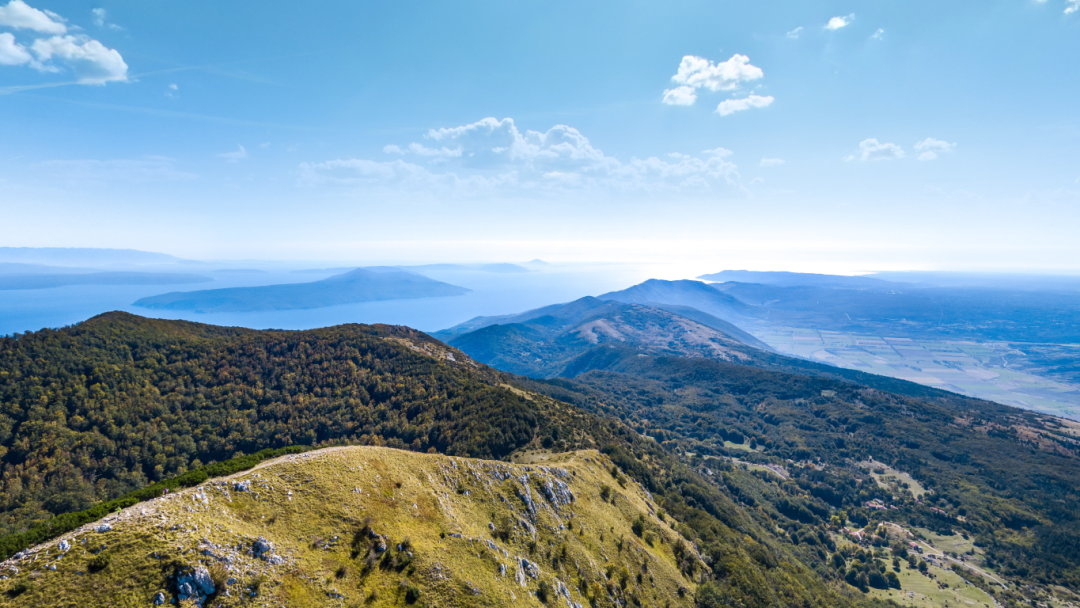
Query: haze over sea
{"points": [[492, 294]]}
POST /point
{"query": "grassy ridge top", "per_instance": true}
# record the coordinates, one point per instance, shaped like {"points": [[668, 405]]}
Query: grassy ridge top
{"points": [[453, 532]]}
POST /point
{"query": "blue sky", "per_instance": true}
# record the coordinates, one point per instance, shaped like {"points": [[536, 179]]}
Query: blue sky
{"points": [[829, 136]]}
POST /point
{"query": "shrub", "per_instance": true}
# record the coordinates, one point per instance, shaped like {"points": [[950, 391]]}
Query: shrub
{"points": [[544, 592], [98, 562]]}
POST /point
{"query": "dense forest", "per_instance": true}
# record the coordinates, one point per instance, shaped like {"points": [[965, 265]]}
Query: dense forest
{"points": [[1008, 478], [94, 410]]}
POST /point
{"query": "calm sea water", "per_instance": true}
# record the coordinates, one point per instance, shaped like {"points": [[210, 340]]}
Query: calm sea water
{"points": [[493, 294]]}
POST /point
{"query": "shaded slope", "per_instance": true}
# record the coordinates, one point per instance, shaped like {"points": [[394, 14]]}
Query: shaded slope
{"points": [[359, 285]]}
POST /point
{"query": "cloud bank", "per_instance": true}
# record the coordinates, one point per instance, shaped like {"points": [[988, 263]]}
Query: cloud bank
{"points": [[494, 156]]}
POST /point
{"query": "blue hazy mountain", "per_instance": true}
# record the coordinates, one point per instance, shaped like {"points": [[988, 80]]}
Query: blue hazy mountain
{"points": [[358, 285], [694, 294], [495, 268], [47, 280], [86, 257], [789, 279]]}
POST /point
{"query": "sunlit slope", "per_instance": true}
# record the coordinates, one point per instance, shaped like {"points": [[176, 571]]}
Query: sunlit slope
{"points": [[376, 527]]}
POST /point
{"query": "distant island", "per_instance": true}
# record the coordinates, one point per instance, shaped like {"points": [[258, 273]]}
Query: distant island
{"points": [[47, 280], [359, 285]]}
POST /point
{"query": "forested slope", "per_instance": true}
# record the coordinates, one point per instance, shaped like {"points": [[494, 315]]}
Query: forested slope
{"points": [[96, 409], [1008, 478]]}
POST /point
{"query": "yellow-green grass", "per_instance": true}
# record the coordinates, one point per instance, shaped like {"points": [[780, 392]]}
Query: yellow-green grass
{"points": [[892, 478], [917, 589], [445, 507]]}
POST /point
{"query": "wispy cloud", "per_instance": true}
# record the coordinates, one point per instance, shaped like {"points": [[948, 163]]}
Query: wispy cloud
{"points": [[839, 22], [793, 34], [101, 19], [930, 148], [235, 156], [880, 34], [102, 172], [871, 149], [730, 106], [1071, 6], [493, 155]]}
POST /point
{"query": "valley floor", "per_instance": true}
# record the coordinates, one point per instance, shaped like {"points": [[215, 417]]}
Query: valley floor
{"points": [[995, 371]]}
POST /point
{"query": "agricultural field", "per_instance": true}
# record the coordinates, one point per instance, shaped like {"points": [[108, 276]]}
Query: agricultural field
{"points": [[996, 371]]}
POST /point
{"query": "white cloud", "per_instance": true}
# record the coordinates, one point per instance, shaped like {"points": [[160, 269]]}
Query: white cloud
{"points": [[101, 19], [771, 162], [89, 60], [730, 106], [872, 149], [21, 16], [839, 22], [880, 34], [493, 155], [930, 148], [1071, 6], [236, 156], [793, 34], [727, 75], [680, 96], [700, 73], [11, 52], [422, 150]]}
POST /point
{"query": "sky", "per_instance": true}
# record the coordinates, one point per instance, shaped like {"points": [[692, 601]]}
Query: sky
{"points": [[781, 135]]}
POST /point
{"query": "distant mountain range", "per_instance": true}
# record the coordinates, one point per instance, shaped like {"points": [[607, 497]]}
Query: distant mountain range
{"points": [[788, 279], [495, 268], [84, 256], [359, 285]]}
